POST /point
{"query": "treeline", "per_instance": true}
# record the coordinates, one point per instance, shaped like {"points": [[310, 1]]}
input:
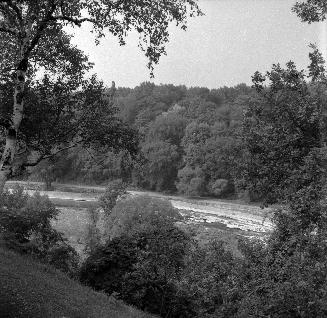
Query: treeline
{"points": [[149, 262], [189, 142], [144, 257]]}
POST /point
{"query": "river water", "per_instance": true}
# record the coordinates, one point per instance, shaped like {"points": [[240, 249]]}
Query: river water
{"points": [[232, 215]]}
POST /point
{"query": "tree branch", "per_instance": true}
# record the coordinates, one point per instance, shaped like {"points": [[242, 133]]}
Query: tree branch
{"points": [[75, 21], [33, 164], [40, 30]]}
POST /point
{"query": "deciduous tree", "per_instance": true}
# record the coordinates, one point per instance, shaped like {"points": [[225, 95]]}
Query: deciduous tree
{"points": [[31, 31]]}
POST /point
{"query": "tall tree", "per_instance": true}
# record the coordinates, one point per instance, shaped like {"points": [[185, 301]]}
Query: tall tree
{"points": [[281, 130], [58, 116], [31, 30], [284, 134]]}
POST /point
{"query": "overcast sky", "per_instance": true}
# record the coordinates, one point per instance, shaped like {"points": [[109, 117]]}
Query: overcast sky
{"points": [[234, 39]]}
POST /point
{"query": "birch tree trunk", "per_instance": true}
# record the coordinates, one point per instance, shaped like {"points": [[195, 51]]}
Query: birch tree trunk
{"points": [[8, 155]]}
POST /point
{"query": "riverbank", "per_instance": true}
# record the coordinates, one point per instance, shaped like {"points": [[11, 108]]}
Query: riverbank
{"points": [[208, 218]]}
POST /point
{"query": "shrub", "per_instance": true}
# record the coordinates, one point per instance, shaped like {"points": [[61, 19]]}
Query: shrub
{"points": [[114, 191], [152, 285], [220, 187], [25, 226], [142, 268], [106, 266], [134, 213], [93, 234], [63, 257], [210, 277], [25, 221], [283, 283], [191, 182], [143, 260]]}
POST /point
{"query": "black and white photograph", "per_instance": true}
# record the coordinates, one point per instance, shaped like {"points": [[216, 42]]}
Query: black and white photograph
{"points": [[163, 159]]}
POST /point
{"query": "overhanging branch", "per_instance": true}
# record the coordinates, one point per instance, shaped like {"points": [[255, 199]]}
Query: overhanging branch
{"points": [[44, 157], [75, 21]]}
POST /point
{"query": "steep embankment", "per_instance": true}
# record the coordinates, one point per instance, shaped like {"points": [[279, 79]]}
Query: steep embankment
{"points": [[32, 290]]}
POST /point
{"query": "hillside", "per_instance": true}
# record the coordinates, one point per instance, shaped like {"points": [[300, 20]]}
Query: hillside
{"points": [[32, 290]]}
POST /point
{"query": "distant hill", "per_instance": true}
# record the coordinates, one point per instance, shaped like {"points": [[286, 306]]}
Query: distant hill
{"points": [[32, 290]]}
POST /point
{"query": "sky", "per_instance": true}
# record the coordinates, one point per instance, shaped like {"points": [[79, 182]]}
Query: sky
{"points": [[224, 47]]}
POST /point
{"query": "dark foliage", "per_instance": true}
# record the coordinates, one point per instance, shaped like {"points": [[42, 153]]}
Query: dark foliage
{"points": [[25, 226], [142, 268], [165, 117]]}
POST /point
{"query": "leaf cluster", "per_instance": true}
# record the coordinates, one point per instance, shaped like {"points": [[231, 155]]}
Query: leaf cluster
{"points": [[26, 227], [39, 20]]}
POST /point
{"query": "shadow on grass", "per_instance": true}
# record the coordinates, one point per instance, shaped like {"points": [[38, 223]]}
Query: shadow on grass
{"points": [[30, 289]]}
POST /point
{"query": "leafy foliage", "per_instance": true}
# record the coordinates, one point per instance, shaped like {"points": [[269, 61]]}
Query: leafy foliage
{"points": [[286, 277], [179, 129], [95, 236], [33, 290], [93, 233], [142, 261], [115, 17], [311, 10], [212, 154], [191, 181], [114, 191], [211, 280], [63, 109], [281, 131], [28, 218], [135, 214], [152, 284], [25, 226], [161, 165]]}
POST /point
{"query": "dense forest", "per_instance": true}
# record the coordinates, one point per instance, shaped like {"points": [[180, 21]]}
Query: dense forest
{"points": [[189, 142], [274, 136], [265, 142]]}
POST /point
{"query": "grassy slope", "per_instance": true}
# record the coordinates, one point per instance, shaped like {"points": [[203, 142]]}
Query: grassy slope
{"points": [[32, 290]]}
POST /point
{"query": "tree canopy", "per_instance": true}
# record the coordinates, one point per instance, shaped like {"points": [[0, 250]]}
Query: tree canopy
{"points": [[33, 41], [30, 24], [311, 10]]}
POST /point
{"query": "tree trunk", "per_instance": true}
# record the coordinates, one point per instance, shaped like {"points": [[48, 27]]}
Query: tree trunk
{"points": [[8, 155]]}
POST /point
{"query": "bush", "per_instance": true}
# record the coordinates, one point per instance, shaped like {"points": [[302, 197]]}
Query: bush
{"points": [[152, 285], [220, 187], [93, 233], [25, 226], [142, 269], [210, 277], [143, 260], [191, 182], [283, 283], [115, 190], [134, 213], [106, 266], [25, 221], [63, 257]]}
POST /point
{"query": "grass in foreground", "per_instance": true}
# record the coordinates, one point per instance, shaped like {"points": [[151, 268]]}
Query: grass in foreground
{"points": [[32, 290]]}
